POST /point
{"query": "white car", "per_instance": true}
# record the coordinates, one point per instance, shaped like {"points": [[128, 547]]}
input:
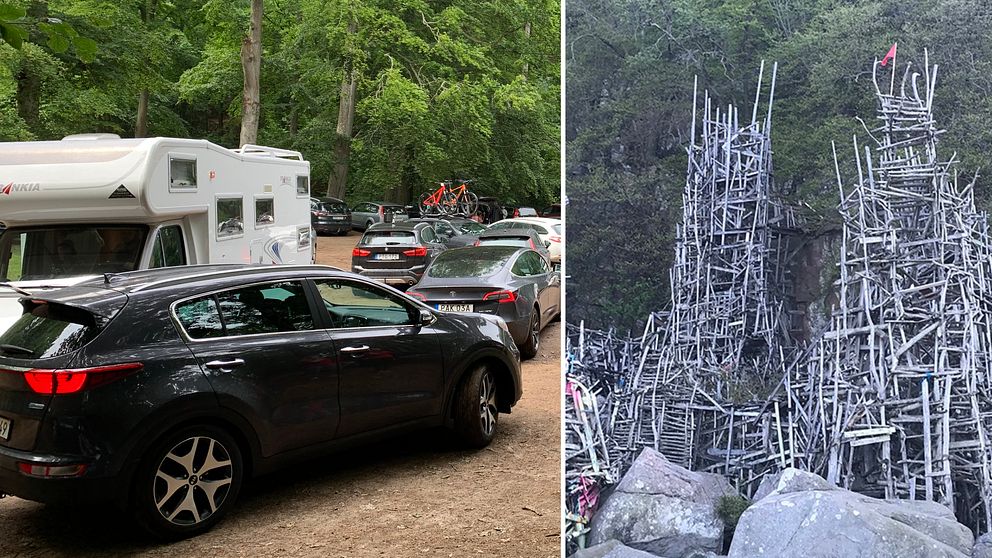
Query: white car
{"points": [[548, 229]]}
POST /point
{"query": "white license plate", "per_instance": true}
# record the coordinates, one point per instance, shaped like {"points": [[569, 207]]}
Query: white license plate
{"points": [[454, 307], [338, 217], [387, 256], [4, 429]]}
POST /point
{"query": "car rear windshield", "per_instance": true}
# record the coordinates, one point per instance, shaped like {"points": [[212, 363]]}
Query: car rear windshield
{"points": [[393, 209], [473, 262], [334, 207], [38, 253], [469, 227], [48, 330], [388, 238]]}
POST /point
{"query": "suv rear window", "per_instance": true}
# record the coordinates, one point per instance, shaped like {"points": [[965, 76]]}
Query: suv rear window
{"points": [[48, 330], [335, 207], [386, 238], [474, 262]]}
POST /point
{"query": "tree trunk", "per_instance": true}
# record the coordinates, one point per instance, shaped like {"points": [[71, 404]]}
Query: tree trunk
{"points": [[141, 124], [342, 137], [527, 35], [251, 63], [28, 95]]}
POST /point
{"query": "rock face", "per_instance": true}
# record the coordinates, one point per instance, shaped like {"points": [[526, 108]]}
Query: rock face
{"points": [[662, 508], [983, 547], [800, 514]]}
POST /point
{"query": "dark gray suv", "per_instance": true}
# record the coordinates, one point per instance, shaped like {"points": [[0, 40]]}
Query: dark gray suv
{"points": [[164, 389]]}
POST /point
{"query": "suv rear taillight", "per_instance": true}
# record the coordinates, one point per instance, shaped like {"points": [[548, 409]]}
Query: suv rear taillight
{"points": [[501, 296], [359, 253], [554, 238], [382, 211], [532, 245], [416, 252], [46, 471], [73, 380]]}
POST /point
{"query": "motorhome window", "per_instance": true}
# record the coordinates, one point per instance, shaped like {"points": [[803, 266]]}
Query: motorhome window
{"points": [[182, 174], [168, 250], [39, 253], [230, 217], [265, 212], [303, 186]]}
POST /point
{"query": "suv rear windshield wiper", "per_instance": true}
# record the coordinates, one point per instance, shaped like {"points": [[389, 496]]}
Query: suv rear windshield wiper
{"points": [[15, 350]]}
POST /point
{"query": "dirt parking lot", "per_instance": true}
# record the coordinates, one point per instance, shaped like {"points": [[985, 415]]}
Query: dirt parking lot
{"points": [[414, 496]]}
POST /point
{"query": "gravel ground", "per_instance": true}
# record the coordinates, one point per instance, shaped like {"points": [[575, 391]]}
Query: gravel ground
{"points": [[415, 496]]}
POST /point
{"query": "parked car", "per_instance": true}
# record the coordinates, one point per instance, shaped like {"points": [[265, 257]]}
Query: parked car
{"points": [[454, 232], [548, 229], [330, 215], [364, 215], [396, 253], [553, 211], [521, 238], [164, 390], [516, 284], [490, 210]]}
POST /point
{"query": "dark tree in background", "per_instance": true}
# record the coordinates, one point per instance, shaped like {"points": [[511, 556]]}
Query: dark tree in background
{"points": [[630, 67]]}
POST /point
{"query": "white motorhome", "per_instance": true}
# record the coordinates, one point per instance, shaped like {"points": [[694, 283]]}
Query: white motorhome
{"points": [[94, 204]]}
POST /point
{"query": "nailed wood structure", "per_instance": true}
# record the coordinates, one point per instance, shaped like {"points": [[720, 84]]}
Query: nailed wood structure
{"points": [[728, 330], [892, 399], [895, 399]]}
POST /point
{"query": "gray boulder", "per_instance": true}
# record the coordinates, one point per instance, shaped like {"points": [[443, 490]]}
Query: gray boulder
{"points": [[611, 549], [983, 547], [662, 508], [800, 514]]}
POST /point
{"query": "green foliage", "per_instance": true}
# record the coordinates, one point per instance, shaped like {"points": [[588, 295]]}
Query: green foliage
{"points": [[729, 508], [630, 67], [445, 89]]}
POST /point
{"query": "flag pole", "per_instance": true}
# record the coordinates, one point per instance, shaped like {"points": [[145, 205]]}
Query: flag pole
{"points": [[892, 82]]}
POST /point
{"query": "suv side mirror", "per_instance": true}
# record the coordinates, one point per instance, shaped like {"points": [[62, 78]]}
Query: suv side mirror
{"points": [[426, 317]]}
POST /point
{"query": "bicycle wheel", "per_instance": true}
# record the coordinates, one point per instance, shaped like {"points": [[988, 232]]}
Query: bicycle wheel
{"points": [[449, 205], [426, 206], [469, 203]]}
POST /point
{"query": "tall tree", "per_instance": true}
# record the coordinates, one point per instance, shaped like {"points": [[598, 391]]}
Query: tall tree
{"points": [[346, 120], [251, 64]]}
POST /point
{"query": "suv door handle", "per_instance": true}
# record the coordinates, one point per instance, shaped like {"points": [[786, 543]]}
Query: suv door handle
{"points": [[225, 364], [355, 351]]}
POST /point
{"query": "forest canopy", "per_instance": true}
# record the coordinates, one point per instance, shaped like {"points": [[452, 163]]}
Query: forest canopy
{"points": [[629, 73], [439, 89]]}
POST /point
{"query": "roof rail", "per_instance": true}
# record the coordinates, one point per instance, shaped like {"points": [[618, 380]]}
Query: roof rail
{"points": [[263, 151]]}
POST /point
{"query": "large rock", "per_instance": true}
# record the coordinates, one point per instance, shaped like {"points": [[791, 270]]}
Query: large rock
{"points": [[611, 549], [983, 547], [662, 508], [800, 514]]}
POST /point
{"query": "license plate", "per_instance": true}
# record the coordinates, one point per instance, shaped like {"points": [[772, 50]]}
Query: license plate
{"points": [[387, 256], [454, 307], [337, 217], [4, 429]]}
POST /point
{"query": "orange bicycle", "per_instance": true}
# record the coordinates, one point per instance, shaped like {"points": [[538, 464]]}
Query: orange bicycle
{"points": [[450, 200]]}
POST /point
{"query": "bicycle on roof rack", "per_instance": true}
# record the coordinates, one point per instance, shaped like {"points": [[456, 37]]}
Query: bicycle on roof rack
{"points": [[449, 200]]}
